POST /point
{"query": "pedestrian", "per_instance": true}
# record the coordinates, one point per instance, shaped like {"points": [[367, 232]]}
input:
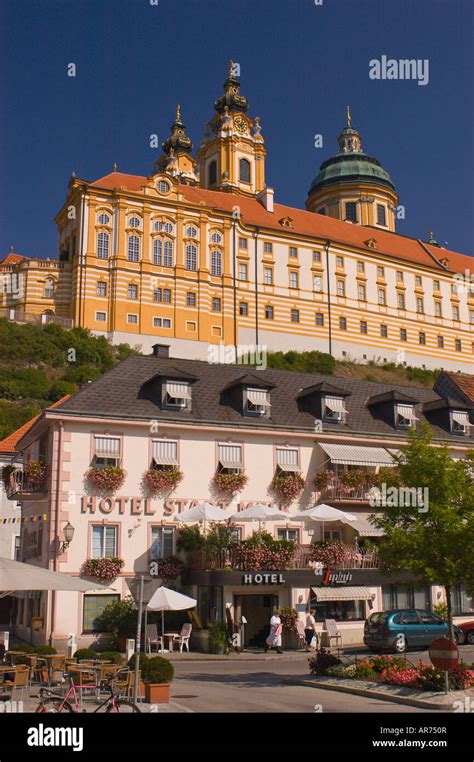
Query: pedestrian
{"points": [[310, 630], [274, 638]]}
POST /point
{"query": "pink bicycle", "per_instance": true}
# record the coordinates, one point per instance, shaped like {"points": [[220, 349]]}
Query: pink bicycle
{"points": [[54, 703]]}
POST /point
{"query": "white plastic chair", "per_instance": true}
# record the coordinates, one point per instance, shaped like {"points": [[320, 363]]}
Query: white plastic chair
{"points": [[184, 636], [152, 638], [333, 632]]}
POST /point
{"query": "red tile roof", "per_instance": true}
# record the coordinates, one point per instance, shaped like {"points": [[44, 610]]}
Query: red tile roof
{"points": [[12, 259], [464, 381], [8, 445], [306, 223]]}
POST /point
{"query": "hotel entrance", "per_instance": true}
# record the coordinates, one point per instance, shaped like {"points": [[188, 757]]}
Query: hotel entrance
{"points": [[257, 610]]}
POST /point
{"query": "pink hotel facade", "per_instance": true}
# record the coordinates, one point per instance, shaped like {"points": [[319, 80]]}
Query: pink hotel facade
{"points": [[129, 418]]}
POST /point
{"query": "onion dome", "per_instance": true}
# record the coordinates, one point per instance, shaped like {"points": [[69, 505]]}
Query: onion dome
{"points": [[232, 97], [350, 164], [179, 141]]}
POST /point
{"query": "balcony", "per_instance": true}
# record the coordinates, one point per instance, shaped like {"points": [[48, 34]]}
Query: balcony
{"points": [[353, 558], [339, 489], [21, 485]]}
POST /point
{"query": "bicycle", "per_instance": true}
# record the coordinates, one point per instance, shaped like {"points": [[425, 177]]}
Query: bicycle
{"points": [[55, 703]]}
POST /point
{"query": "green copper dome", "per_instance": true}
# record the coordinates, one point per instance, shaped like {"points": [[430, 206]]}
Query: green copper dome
{"points": [[351, 168]]}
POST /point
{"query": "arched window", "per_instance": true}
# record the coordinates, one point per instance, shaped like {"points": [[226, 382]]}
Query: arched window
{"points": [[103, 219], [133, 248], [49, 288], [212, 173], [134, 222], [244, 170], [191, 231], [216, 263], [158, 226], [163, 186], [191, 257], [168, 254], [103, 240], [216, 237], [157, 251], [169, 228]]}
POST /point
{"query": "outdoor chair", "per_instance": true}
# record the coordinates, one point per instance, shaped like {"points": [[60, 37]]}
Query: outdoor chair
{"points": [[183, 638], [21, 681], [57, 665], [333, 632], [300, 633], [85, 677], [152, 638]]}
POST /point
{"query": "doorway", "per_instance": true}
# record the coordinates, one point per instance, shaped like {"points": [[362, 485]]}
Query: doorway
{"points": [[257, 610]]}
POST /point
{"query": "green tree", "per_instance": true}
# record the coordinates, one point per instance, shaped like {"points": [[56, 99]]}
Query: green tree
{"points": [[435, 542]]}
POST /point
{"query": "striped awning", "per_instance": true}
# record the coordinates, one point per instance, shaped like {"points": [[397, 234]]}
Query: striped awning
{"points": [[406, 411], [230, 456], [287, 459], [364, 526], [336, 404], [258, 397], [461, 417], [342, 593], [354, 455], [165, 453], [107, 447], [178, 391]]}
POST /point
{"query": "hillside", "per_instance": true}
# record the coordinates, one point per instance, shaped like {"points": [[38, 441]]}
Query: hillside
{"points": [[39, 365]]}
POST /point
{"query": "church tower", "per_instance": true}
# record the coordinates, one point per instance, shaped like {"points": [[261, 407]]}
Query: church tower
{"points": [[232, 152], [176, 159], [353, 186]]}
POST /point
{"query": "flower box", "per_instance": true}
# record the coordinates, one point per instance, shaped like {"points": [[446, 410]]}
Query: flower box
{"points": [[288, 486], [106, 479], [157, 693], [230, 484], [159, 480], [103, 569]]}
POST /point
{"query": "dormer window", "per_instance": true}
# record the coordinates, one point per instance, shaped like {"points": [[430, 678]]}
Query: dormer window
{"points": [[287, 459], [256, 401], [334, 409], [405, 416], [106, 451], [460, 424], [230, 459], [177, 394], [165, 454]]}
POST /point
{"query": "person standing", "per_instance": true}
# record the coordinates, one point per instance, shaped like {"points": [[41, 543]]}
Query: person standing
{"points": [[310, 629], [274, 638]]}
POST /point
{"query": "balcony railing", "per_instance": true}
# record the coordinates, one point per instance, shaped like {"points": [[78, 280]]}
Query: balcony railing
{"points": [[20, 485], [354, 558], [337, 490]]}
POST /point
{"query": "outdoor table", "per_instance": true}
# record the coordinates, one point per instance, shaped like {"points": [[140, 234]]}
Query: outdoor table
{"points": [[171, 636], [13, 654]]}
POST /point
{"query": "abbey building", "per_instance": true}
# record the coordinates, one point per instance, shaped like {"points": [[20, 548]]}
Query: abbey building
{"points": [[200, 252]]}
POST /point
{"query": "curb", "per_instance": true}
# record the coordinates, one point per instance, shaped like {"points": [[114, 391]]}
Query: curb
{"points": [[407, 700]]}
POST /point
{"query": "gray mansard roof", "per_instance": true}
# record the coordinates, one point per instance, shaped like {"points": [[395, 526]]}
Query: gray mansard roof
{"points": [[132, 389]]}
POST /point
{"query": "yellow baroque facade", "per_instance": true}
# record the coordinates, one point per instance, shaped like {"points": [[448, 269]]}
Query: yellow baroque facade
{"points": [[199, 253]]}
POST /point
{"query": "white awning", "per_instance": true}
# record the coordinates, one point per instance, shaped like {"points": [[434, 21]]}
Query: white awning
{"points": [[258, 397], [230, 456], [336, 404], [165, 453], [177, 390], [461, 417], [342, 593], [290, 467], [407, 412], [364, 526], [287, 458], [354, 455], [107, 447]]}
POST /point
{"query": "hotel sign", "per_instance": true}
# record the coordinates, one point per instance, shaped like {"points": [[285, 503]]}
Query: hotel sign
{"points": [[263, 578], [142, 506]]}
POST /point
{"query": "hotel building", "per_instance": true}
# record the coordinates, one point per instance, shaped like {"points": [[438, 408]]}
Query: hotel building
{"points": [[199, 252], [156, 412]]}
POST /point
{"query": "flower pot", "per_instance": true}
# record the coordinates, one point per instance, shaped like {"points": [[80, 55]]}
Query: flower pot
{"points": [[157, 693]]}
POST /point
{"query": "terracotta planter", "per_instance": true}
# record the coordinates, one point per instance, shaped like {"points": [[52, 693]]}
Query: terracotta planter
{"points": [[157, 693]]}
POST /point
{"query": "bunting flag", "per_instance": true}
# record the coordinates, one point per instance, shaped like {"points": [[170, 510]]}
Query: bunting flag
{"points": [[25, 519]]}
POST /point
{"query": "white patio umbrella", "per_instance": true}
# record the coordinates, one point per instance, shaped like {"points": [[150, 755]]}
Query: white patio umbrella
{"points": [[260, 513], [165, 599], [16, 576], [202, 512], [323, 513]]}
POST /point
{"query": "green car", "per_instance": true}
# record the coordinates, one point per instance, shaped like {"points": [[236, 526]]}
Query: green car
{"points": [[400, 629]]}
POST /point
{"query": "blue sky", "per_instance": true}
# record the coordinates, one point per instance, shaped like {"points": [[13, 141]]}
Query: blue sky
{"points": [[300, 65]]}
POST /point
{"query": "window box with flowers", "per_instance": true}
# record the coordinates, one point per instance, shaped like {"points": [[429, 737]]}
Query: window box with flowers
{"points": [[262, 552], [288, 486], [103, 569], [230, 483], [323, 480], [106, 479], [162, 479], [35, 474], [169, 568], [330, 553]]}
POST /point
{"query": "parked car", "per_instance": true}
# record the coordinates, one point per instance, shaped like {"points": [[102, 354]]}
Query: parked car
{"points": [[400, 629], [467, 629]]}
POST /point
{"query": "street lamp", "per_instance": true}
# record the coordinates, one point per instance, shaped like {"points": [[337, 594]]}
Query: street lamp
{"points": [[68, 533]]}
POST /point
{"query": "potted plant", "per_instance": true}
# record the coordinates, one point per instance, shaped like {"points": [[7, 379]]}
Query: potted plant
{"points": [[103, 569], [143, 661], [157, 674], [7, 472], [322, 480], [330, 553], [288, 618], [159, 480], [218, 638], [230, 484], [35, 472], [169, 568], [106, 479], [288, 486]]}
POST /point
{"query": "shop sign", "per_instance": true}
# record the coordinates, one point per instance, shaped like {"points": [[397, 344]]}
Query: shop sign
{"points": [[138, 506], [336, 578], [263, 578]]}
